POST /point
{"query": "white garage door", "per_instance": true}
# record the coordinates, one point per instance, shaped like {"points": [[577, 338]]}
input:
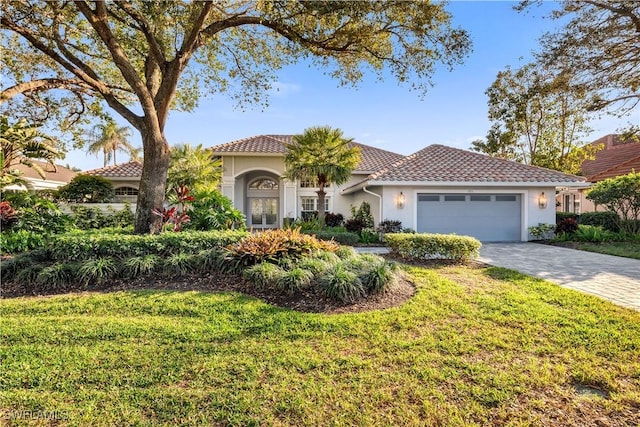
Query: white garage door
{"points": [[487, 217]]}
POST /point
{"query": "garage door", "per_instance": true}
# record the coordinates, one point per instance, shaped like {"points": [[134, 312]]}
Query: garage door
{"points": [[487, 217]]}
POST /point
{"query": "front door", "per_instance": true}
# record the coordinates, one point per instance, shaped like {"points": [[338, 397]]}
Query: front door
{"points": [[264, 212]]}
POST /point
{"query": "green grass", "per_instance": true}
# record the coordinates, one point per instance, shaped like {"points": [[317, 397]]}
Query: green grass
{"points": [[623, 249], [473, 347]]}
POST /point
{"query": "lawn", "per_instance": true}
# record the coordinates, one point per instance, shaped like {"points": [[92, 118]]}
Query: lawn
{"points": [[475, 346], [623, 249]]}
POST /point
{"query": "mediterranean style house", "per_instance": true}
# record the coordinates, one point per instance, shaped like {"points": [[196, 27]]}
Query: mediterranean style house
{"points": [[616, 158], [438, 189]]}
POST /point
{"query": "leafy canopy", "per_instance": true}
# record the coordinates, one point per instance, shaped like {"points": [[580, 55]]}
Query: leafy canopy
{"points": [[620, 195]]}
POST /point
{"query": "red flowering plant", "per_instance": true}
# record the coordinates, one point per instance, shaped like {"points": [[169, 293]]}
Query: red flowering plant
{"points": [[176, 215], [7, 214]]}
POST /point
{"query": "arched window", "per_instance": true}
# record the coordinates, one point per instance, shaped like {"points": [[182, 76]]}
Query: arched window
{"points": [[126, 194], [263, 184]]}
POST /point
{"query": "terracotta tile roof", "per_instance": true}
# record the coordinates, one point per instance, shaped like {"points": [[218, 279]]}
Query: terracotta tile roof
{"points": [[439, 163], [58, 174], [617, 158], [131, 169], [373, 158]]}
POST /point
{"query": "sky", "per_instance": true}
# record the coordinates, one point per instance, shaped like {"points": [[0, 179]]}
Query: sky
{"points": [[382, 114]]}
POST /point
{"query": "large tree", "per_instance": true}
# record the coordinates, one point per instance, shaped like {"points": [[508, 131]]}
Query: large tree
{"points": [[145, 58], [599, 44], [537, 119], [323, 155], [108, 138]]}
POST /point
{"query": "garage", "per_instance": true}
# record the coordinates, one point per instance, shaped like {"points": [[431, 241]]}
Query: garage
{"points": [[487, 217]]}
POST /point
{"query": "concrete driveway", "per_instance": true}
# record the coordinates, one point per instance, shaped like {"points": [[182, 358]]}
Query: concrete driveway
{"points": [[610, 277]]}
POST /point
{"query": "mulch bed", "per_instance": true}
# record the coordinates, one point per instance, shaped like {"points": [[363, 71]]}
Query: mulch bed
{"points": [[309, 300]]}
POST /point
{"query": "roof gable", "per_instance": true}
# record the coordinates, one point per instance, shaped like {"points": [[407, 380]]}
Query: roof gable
{"points": [[132, 169], [439, 163], [373, 158]]}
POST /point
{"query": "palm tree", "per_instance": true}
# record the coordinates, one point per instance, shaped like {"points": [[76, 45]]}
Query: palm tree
{"points": [[109, 138], [324, 155], [19, 144], [193, 167]]}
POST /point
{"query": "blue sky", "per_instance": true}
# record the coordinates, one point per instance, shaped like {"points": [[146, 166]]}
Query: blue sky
{"points": [[382, 114]]}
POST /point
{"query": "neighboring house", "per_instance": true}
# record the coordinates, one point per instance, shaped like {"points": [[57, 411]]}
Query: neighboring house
{"points": [[55, 176], [616, 158], [438, 189], [125, 178]]}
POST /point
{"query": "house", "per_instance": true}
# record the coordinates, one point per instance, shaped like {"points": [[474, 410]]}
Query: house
{"points": [[617, 157], [437, 189], [55, 176], [125, 178]]}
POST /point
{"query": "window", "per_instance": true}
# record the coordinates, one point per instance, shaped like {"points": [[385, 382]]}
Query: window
{"points": [[480, 198], [428, 198], [507, 198], [309, 206], [126, 194], [311, 183], [454, 198], [263, 184]]}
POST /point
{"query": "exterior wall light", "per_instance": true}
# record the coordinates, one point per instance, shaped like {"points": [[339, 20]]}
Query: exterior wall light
{"points": [[542, 201], [400, 201]]}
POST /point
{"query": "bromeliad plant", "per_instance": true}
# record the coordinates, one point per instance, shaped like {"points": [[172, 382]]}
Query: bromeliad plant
{"points": [[176, 215]]}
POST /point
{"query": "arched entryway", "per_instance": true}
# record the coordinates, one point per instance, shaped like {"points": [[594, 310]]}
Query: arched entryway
{"points": [[263, 201]]}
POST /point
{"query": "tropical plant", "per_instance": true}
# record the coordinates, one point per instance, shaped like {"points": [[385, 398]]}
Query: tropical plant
{"points": [[87, 189], [321, 154], [176, 215], [97, 270], [264, 275], [342, 284], [195, 168], [108, 138], [21, 143], [294, 280], [140, 265], [213, 211]]}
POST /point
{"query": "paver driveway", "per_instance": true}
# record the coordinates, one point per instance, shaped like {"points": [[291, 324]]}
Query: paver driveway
{"points": [[614, 278]]}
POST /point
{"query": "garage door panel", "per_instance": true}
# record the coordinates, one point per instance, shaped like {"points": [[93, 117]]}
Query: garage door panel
{"points": [[488, 217]]}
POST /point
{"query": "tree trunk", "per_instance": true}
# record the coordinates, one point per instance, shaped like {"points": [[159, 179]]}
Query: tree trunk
{"points": [[321, 196], [153, 181]]}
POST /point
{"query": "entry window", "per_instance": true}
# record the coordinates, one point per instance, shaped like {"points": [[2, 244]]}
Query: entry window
{"points": [[263, 184], [506, 198], [454, 198]]}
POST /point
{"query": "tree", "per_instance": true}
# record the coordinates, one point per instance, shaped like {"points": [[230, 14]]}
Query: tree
{"points": [[195, 168], [324, 155], [145, 58], [599, 45], [109, 138], [622, 196], [537, 119], [20, 143], [87, 189]]}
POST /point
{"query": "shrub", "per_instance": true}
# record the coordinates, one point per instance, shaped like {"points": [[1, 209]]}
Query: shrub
{"points": [[7, 215], [369, 235], [542, 231], [342, 237], [333, 219], [433, 246], [87, 189], [27, 276], [14, 242], [294, 280], [332, 257], [10, 267], [564, 215], [272, 245], [56, 275], [567, 225], [212, 211], [86, 218], [264, 275], [315, 266], [380, 277], [360, 218], [36, 214], [620, 195], [346, 252], [390, 226], [342, 284], [607, 220], [590, 233], [354, 225], [97, 270]]}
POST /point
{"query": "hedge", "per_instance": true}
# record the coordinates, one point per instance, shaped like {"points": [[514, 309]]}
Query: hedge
{"points": [[82, 246], [342, 237], [433, 246]]}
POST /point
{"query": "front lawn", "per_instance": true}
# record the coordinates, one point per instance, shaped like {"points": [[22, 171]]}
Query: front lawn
{"points": [[623, 249], [475, 346]]}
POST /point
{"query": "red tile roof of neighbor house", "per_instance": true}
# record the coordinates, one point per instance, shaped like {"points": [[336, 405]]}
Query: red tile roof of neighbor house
{"points": [[373, 158], [439, 163], [616, 158], [58, 173], [132, 169]]}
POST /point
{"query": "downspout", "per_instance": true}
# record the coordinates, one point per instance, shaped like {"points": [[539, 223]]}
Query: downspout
{"points": [[364, 188]]}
